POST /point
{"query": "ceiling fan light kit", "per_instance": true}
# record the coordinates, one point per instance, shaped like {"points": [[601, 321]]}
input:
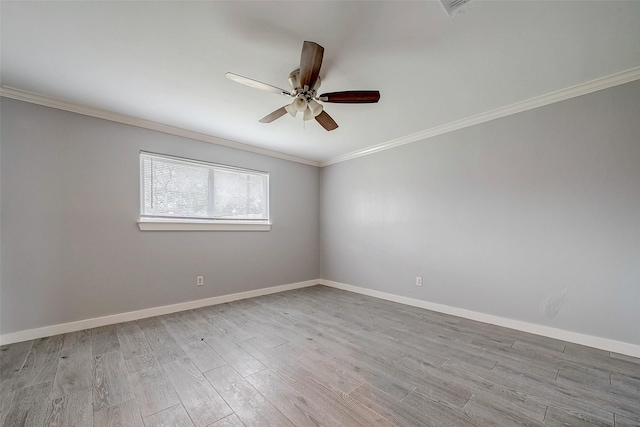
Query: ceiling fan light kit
{"points": [[300, 104], [308, 115], [305, 82], [315, 107], [290, 109]]}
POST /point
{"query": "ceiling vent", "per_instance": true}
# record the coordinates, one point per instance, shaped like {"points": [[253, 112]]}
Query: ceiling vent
{"points": [[455, 6]]}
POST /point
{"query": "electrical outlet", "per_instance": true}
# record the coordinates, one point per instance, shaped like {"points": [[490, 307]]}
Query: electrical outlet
{"points": [[418, 281], [200, 280]]}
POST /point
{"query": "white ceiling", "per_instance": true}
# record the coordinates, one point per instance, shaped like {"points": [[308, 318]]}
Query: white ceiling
{"points": [[165, 61]]}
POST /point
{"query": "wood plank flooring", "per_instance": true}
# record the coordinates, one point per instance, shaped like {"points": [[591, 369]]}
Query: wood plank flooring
{"points": [[313, 357]]}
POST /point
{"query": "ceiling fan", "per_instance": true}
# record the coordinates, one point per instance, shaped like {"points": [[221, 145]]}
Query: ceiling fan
{"points": [[305, 83]]}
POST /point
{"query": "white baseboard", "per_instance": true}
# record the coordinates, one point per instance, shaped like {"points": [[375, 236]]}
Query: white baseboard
{"points": [[561, 334], [79, 325], [547, 331]]}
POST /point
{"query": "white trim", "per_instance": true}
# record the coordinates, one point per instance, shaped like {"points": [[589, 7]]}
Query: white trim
{"points": [[540, 101], [79, 325], [574, 337], [532, 328], [518, 107], [159, 225], [34, 98]]}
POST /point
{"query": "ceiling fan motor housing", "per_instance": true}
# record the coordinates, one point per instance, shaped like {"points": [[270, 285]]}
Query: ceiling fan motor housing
{"points": [[294, 82]]}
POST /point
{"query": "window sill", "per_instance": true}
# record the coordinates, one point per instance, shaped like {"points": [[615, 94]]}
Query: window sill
{"points": [[151, 225]]}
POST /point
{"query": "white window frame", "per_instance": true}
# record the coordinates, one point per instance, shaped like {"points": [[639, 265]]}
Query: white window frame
{"points": [[148, 223]]}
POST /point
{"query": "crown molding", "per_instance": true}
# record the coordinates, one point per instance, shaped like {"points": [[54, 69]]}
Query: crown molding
{"points": [[539, 101], [34, 98]]}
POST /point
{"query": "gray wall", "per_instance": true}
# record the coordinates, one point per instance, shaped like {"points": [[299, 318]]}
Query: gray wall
{"points": [[534, 217], [71, 248]]}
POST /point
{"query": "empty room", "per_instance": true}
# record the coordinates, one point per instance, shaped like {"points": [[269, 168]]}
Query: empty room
{"points": [[320, 213]]}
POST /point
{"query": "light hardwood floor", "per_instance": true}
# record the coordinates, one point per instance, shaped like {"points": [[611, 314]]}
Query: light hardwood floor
{"points": [[313, 357]]}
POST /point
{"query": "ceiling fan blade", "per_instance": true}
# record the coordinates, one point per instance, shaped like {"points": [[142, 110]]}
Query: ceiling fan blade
{"points": [[352, 97], [326, 121], [256, 84], [310, 62], [275, 115]]}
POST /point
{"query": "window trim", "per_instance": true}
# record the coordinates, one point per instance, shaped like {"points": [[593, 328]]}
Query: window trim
{"points": [[153, 223], [190, 225]]}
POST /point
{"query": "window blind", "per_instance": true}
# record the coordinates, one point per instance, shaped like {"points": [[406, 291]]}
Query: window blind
{"points": [[176, 188]]}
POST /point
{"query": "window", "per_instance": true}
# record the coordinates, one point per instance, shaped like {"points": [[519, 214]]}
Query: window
{"points": [[182, 194]]}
